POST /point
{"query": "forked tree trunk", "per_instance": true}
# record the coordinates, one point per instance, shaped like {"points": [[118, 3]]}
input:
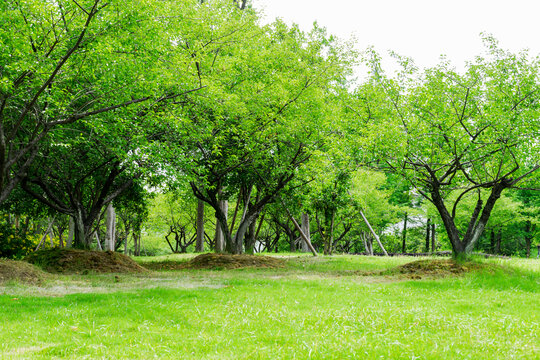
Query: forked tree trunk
{"points": [[464, 246]]}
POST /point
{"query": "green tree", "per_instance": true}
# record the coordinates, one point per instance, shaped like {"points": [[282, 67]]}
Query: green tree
{"points": [[474, 132], [66, 61], [258, 119]]}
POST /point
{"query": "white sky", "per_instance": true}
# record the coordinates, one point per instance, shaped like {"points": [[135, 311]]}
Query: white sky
{"points": [[420, 29]]}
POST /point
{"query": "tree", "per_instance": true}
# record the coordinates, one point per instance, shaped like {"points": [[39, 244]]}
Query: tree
{"points": [[474, 132], [255, 124], [79, 177], [67, 61]]}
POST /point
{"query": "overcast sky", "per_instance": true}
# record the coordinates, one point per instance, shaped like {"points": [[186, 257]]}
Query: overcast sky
{"points": [[421, 29]]}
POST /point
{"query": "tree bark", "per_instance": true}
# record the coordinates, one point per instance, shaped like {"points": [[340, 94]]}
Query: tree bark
{"points": [[428, 228], [250, 238], [220, 238], [110, 221], [433, 248], [477, 224], [71, 232], [306, 230], [199, 243], [373, 233], [528, 238], [404, 234]]}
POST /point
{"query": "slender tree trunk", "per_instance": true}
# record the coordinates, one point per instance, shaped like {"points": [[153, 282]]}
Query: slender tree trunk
{"points": [[404, 234], [110, 222], [97, 241], [498, 239], [373, 233], [492, 241], [71, 232], [528, 238], [433, 248], [126, 240], [199, 243], [428, 228], [306, 230]]}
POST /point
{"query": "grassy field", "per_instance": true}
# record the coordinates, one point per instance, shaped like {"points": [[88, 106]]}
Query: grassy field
{"points": [[315, 308]]}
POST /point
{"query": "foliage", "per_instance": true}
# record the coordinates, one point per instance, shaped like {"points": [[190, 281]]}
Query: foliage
{"points": [[444, 131]]}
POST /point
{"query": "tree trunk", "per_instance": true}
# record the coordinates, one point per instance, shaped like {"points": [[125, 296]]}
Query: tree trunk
{"points": [[71, 232], [82, 237], [498, 239], [477, 223], [528, 237], [404, 234], [220, 237], [305, 229], [199, 243], [428, 228], [373, 233], [250, 238], [433, 248], [110, 222]]}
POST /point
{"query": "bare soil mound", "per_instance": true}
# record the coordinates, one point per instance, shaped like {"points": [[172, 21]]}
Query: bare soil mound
{"points": [[83, 261], [435, 268], [220, 261], [20, 271]]}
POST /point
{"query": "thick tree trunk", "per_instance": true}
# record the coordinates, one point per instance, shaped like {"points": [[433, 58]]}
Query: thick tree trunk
{"points": [[477, 223], [220, 237], [250, 238], [306, 230], [71, 232], [83, 235], [199, 242]]}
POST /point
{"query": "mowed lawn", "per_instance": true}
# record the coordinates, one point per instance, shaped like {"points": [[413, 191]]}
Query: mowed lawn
{"points": [[314, 308]]}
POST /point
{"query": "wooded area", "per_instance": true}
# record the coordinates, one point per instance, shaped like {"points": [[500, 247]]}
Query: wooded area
{"points": [[149, 127]]}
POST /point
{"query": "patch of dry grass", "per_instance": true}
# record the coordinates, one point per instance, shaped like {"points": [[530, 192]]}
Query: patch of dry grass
{"points": [[82, 261], [20, 271]]}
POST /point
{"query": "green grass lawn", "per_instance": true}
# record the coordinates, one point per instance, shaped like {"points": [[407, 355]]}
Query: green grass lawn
{"points": [[315, 308]]}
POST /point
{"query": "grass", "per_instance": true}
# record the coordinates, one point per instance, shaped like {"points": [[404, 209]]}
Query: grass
{"points": [[315, 308]]}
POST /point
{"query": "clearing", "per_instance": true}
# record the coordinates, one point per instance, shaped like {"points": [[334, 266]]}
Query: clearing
{"points": [[339, 307]]}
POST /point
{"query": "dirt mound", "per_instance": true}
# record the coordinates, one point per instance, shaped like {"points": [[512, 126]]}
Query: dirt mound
{"points": [[20, 271], [83, 262], [221, 261], [438, 268]]}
